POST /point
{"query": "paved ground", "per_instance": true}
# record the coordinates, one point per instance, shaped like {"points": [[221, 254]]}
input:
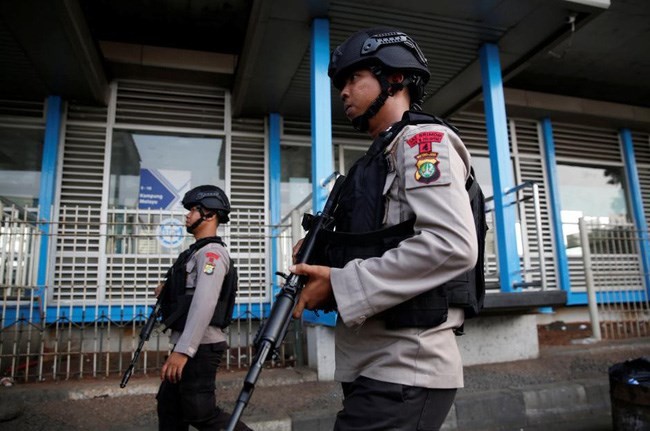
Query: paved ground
{"points": [[565, 389]]}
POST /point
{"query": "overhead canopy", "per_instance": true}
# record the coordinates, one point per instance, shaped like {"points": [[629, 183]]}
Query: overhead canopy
{"points": [[260, 49]]}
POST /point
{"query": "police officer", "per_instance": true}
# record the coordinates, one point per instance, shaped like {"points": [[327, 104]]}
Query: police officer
{"points": [[189, 300], [396, 352]]}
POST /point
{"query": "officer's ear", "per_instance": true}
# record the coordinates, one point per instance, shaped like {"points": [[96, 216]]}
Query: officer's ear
{"points": [[396, 78], [395, 83]]}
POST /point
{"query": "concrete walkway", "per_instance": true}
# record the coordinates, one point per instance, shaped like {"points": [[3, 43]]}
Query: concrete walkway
{"points": [[566, 388]]}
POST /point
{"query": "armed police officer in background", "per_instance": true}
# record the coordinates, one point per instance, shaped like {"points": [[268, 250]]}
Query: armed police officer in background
{"points": [[196, 303], [404, 241]]}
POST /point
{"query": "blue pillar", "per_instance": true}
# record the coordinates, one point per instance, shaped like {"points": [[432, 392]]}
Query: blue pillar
{"points": [[322, 164], [274, 190], [48, 184], [501, 165], [634, 191], [553, 191]]}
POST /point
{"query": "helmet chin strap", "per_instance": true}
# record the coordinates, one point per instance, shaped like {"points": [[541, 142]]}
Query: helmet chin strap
{"points": [[362, 122], [204, 216]]}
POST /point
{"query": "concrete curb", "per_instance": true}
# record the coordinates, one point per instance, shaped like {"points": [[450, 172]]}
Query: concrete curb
{"points": [[532, 407], [535, 407]]}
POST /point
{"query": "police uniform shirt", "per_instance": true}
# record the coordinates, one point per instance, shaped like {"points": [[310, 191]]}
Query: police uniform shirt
{"points": [[428, 167], [206, 270]]}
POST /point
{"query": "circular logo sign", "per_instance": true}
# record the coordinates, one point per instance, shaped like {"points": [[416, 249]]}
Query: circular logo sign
{"points": [[171, 233]]}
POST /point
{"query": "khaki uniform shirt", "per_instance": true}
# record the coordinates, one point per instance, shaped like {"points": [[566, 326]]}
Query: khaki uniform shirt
{"points": [[206, 270], [428, 167]]}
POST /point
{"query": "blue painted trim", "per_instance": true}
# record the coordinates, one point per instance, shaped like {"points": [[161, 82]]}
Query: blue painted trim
{"points": [[555, 206], [636, 201], [47, 186], [115, 314], [501, 165], [275, 202], [321, 112], [322, 164], [321, 318]]}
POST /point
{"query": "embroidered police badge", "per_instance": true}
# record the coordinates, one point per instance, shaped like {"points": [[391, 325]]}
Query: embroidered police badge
{"points": [[427, 169], [208, 268]]}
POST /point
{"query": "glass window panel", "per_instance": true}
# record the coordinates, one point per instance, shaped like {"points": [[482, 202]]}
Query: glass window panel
{"points": [[483, 172], [481, 165], [21, 155], [596, 193], [295, 178], [152, 171], [350, 155]]}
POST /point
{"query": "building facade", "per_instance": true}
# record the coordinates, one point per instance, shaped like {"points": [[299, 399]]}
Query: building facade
{"points": [[90, 190]]}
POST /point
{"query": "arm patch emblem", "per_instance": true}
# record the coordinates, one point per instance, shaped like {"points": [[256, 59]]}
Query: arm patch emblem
{"points": [[208, 268], [427, 169]]}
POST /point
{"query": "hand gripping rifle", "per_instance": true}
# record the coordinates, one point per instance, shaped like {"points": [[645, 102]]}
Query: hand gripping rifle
{"points": [[145, 333], [271, 335]]}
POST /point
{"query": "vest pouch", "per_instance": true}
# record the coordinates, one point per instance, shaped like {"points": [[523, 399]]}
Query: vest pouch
{"points": [[342, 247], [427, 310], [173, 290], [339, 255], [457, 290], [176, 321], [226, 303]]}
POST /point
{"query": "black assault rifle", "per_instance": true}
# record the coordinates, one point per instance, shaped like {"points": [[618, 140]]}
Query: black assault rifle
{"points": [[145, 333], [270, 336]]}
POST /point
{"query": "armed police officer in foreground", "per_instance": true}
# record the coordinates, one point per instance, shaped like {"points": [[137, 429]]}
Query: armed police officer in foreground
{"points": [[404, 247], [196, 303]]}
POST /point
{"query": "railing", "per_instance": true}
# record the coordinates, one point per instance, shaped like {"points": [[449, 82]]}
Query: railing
{"points": [[86, 321], [532, 263], [90, 327], [617, 295]]}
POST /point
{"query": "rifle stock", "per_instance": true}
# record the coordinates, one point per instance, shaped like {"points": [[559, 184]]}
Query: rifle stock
{"points": [[145, 333], [271, 335]]}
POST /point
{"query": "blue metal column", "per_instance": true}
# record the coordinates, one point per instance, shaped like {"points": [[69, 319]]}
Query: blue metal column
{"points": [[555, 207], [636, 198], [501, 165], [322, 164], [48, 187], [274, 191]]}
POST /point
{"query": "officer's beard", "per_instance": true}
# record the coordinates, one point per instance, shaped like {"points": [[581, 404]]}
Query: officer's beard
{"points": [[190, 228]]}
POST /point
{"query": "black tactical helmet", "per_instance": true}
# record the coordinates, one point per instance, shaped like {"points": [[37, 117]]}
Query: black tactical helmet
{"points": [[210, 198], [387, 48]]}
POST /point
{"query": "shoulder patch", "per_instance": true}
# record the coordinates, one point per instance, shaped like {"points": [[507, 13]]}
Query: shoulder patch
{"points": [[208, 268], [211, 257], [430, 159]]}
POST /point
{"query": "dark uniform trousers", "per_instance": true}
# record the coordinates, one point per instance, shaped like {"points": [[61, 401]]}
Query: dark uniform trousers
{"points": [[192, 401], [372, 405]]}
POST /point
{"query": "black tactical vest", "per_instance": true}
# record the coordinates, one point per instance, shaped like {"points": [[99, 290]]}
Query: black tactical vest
{"points": [[358, 234], [176, 301]]}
